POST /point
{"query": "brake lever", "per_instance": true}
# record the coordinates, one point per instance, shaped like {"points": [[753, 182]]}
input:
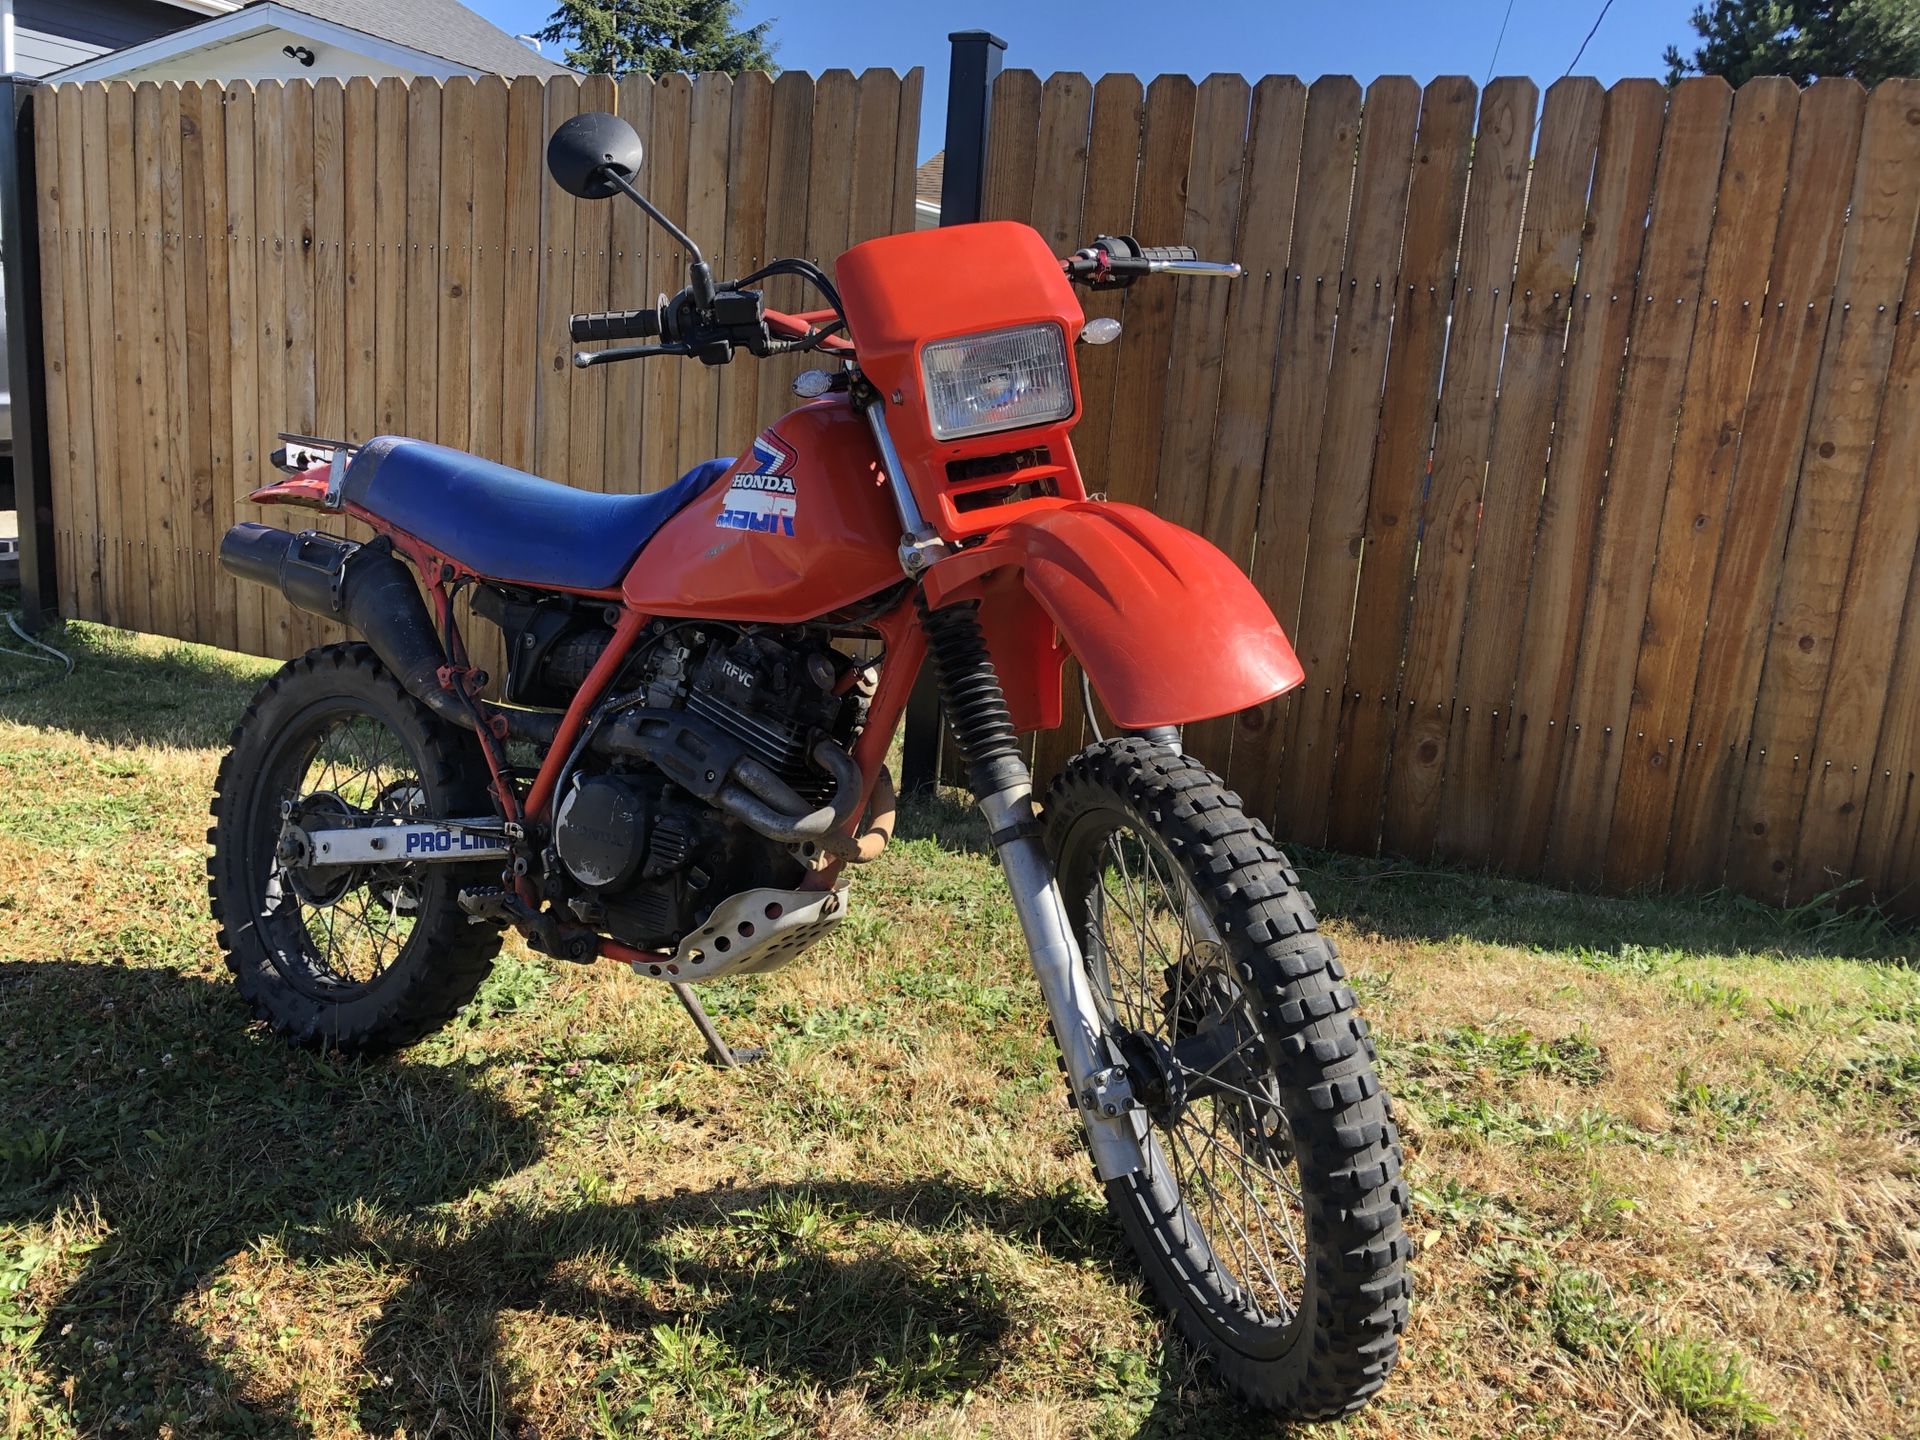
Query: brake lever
{"points": [[584, 358]]}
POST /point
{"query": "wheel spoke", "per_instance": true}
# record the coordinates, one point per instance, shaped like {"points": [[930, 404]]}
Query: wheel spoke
{"points": [[1219, 1207], [350, 936], [1240, 1166], [1171, 980]]}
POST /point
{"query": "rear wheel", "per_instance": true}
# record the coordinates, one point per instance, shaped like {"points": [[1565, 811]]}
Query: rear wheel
{"points": [[362, 958], [1268, 1218]]}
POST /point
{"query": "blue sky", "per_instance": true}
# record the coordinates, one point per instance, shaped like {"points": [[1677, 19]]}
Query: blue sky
{"points": [[1363, 38]]}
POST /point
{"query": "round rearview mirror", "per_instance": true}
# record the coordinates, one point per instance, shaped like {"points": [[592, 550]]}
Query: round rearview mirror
{"points": [[585, 150]]}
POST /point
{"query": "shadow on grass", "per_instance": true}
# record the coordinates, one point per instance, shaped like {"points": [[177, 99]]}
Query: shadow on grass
{"points": [[948, 818], [201, 1144], [1403, 901], [1400, 900], [129, 689]]}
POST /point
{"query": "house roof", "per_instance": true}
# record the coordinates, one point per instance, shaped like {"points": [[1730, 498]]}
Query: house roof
{"points": [[928, 179], [444, 28], [410, 35]]}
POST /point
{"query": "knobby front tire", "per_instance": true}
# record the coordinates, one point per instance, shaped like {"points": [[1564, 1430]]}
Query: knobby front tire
{"points": [[1269, 1221]]}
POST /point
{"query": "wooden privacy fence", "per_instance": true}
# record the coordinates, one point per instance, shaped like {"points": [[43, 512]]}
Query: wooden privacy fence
{"points": [[221, 263], [1576, 449]]}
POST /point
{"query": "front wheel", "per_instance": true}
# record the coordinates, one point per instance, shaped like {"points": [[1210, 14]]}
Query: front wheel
{"points": [[1268, 1217]]}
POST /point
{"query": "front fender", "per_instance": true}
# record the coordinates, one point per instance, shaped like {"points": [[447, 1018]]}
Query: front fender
{"points": [[1168, 628]]}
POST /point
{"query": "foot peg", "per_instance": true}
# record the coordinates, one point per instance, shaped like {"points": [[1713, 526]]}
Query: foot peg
{"points": [[499, 905]]}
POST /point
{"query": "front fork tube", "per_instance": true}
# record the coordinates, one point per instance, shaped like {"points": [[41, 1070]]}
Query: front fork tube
{"points": [[976, 708], [1100, 1089]]}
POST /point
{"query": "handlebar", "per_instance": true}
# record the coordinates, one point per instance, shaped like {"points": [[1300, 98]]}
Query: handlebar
{"points": [[731, 318], [710, 322], [1119, 260], [614, 325]]}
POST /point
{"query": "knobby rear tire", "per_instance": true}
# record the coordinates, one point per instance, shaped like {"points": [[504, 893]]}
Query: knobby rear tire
{"points": [[444, 957], [1340, 1346]]}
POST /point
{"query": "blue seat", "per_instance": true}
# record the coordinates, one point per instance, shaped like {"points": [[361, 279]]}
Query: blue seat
{"points": [[508, 525]]}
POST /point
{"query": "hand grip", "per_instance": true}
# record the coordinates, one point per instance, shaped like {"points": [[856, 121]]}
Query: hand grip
{"points": [[614, 325], [1167, 252]]}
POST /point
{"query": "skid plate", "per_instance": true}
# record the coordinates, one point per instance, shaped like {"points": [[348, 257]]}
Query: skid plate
{"points": [[750, 933]]}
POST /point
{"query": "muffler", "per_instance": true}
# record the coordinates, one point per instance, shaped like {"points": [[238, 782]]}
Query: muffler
{"points": [[365, 586]]}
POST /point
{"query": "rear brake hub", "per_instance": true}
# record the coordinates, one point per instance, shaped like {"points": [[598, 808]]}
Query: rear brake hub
{"points": [[317, 885]]}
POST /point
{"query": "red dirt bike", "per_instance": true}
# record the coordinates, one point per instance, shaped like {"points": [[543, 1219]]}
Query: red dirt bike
{"points": [[688, 752]]}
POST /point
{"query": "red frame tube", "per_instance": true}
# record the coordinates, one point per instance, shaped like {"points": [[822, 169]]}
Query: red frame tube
{"points": [[618, 651]]}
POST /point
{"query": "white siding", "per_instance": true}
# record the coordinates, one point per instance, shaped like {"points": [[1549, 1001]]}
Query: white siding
{"points": [[37, 53], [50, 35]]}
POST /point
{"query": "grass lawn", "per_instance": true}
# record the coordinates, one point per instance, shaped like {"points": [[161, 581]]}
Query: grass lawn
{"points": [[1663, 1155]]}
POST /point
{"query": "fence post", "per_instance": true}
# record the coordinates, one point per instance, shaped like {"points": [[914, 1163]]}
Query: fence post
{"points": [[974, 66], [26, 360]]}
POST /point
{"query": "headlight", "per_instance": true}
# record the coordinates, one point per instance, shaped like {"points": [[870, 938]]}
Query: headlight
{"points": [[997, 381]]}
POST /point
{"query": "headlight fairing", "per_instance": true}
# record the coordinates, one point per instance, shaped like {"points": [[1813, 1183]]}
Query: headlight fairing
{"points": [[997, 380]]}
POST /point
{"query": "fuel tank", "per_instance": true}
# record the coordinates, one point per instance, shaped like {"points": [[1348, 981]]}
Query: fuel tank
{"points": [[803, 525]]}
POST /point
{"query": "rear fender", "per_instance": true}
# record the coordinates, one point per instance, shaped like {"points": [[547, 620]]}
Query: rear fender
{"points": [[1167, 627], [307, 489]]}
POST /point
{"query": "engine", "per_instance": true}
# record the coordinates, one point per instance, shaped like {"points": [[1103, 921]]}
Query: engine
{"points": [[632, 852]]}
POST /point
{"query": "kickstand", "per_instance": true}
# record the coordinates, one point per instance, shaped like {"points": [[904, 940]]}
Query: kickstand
{"points": [[724, 1055]]}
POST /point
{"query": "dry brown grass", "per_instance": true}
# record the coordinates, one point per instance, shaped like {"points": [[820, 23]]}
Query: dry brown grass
{"points": [[1664, 1159]]}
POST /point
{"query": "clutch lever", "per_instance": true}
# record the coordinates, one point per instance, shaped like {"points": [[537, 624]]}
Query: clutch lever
{"points": [[584, 358]]}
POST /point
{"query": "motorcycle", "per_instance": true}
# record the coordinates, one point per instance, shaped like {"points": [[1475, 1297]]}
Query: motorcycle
{"points": [[686, 756]]}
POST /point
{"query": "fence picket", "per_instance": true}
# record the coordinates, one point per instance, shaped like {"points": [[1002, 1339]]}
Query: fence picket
{"points": [[55, 198], [1867, 671], [586, 390], [453, 284], [359, 261], [298, 281], [74, 471], [147, 414], [488, 337], [1793, 336], [672, 121], [706, 222], [390, 258], [1826, 509], [1273, 408], [523, 347], [628, 287], [1287, 762], [132, 601], [1434, 205], [1712, 410], [1530, 374], [745, 245], [1665, 306], [1631, 129], [1134, 435], [1456, 476], [788, 170], [1054, 209], [211, 135], [243, 345]]}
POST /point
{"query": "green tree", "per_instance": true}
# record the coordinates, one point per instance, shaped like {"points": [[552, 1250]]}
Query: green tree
{"points": [[618, 37], [1805, 39]]}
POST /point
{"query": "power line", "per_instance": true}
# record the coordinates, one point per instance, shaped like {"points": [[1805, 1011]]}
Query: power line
{"points": [[1590, 34], [1498, 41]]}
